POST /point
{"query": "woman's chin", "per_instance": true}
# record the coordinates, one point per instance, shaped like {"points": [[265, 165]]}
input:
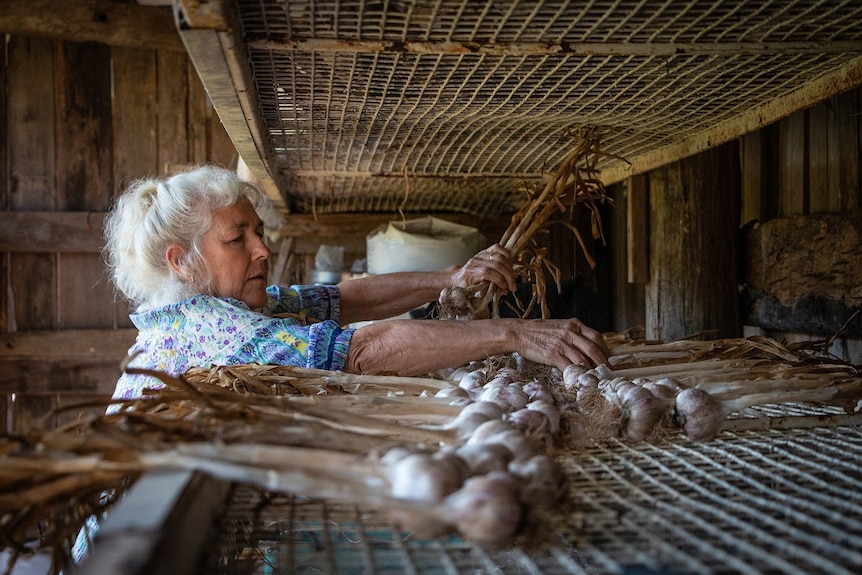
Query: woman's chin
{"points": [[256, 298]]}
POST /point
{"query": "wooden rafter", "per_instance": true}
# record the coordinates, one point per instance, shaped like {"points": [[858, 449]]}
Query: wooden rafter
{"points": [[112, 23]]}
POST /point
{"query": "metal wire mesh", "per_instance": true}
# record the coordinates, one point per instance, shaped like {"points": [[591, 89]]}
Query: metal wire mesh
{"points": [[465, 99], [756, 502]]}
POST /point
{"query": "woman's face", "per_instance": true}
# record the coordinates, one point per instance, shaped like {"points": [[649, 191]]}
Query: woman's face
{"points": [[239, 259]]}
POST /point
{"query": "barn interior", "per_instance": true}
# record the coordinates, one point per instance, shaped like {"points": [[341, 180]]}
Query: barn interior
{"points": [[730, 150]]}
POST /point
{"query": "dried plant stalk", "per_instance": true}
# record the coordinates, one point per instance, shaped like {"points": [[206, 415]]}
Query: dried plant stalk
{"points": [[576, 182], [325, 433]]}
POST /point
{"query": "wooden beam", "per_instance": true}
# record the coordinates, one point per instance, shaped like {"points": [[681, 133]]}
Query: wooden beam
{"points": [[221, 64], [40, 232], [86, 345], [59, 377], [83, 232], [838, 80], [79, 361], [112, 23], [161, 525]]}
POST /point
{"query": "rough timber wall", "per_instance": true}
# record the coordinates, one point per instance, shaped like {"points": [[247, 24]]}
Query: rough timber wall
{"points": [[80, 120], [802, 171]]}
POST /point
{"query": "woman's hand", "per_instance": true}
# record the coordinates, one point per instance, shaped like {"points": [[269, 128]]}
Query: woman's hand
{"points": [[493, 265], [561, 342]]}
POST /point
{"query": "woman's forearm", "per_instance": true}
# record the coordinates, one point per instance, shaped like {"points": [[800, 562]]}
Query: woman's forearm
{"points": [[388, 295], [414, 347]]}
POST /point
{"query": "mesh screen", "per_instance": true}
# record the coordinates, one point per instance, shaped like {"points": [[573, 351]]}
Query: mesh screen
{"points": [[757, 502], [450, 105]]}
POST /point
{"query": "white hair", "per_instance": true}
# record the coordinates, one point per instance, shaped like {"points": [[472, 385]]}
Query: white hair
{"points": [[154, 213]]}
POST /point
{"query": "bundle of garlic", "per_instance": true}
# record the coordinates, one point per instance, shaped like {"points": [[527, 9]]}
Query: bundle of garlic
{"points": [[575, 182], [436, 457], [655, 389]]}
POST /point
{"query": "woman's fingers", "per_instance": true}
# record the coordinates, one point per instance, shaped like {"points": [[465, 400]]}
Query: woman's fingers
{"points": [[493, 265], [592, 343], [563, 342]]}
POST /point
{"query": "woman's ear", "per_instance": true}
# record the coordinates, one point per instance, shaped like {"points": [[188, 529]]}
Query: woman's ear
{"points": [[174, 255]]}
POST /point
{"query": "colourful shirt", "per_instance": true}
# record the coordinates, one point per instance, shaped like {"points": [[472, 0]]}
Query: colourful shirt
{"points": [[203, 331]]}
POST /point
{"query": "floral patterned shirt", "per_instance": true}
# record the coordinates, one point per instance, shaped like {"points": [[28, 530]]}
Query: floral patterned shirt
{"points": [[203, 331]]}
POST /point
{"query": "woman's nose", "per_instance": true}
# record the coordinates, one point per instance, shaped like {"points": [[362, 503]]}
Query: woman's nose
{"points": [[261, 250]]}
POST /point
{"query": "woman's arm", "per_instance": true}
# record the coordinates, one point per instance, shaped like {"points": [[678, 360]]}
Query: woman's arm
{"points": [[410, 347], [388, 295]]}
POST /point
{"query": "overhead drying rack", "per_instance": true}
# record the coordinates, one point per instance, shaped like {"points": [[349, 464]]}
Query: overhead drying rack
{"points": [[444, 105]]}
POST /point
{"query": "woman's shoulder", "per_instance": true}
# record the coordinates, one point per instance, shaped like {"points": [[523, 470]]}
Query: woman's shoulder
{"points": [[191, 309]]}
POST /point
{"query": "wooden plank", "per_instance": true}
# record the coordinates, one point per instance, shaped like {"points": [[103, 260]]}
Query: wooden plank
{"points": [[279, 265], [33, 412], [112, 23], [753, 194], [844, 152], [198, 127], [5, 290], [694, 210], [50, 345], [770, 169], [86, 297], [172, 108], [222, 151], [63, 361], [135, 126], [59, 376], [819, 151], [628, 298], [30, 123], [62, 232], [85, 178], [809, 93], [223, 68], [135, 114], [637, 232], [31, 154], [121, 315], [82, 232], [5, 287], [793, 165], [161, 526], [33, 290]]}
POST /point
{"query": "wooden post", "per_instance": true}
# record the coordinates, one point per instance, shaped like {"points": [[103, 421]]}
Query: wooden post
{"points": [[694, 246]]}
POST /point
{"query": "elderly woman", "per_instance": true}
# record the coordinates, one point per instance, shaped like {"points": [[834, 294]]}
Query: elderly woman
{"points": [[188, 252]]}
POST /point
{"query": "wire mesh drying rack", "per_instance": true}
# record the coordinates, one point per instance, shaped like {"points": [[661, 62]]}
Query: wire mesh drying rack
{"points": [[448, 105], [780, 493]]}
